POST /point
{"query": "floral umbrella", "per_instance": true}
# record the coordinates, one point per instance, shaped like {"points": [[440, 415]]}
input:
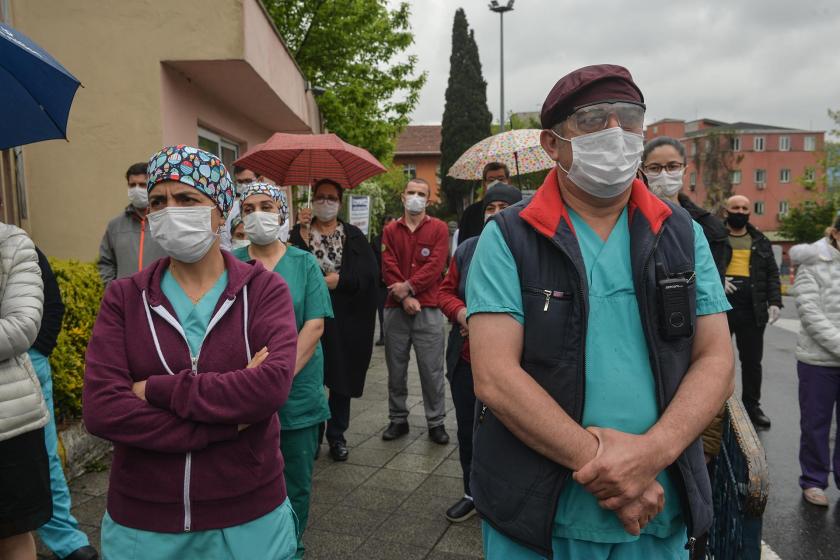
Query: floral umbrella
{"points": [[520, 150]]}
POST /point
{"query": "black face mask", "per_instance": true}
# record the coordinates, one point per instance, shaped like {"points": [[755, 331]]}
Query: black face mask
{"points": [[737, 221]]}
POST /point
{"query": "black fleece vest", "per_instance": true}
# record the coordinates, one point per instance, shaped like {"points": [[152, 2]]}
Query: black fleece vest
{"points": [[517, 489]]}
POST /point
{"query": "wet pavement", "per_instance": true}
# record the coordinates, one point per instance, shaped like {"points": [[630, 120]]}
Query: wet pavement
{"points": [[387, 501], [793, 528]]}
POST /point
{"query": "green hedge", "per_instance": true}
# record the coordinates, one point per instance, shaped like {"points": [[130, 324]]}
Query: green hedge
{"points": [[81, 290]]}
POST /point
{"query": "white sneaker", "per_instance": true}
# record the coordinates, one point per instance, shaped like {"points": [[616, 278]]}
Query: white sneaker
{"points": [[815, 496]]}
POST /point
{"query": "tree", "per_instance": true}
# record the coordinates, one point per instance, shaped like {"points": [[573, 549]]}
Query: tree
{"points": [[716, 162], [354, 49], [806, 222], [466, 118]]}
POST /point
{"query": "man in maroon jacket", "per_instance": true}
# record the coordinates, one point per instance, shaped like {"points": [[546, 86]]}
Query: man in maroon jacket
{"points": [[414, 251]]}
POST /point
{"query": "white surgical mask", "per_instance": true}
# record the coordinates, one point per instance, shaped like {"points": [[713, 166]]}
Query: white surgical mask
{"points": [[185, 234], [138, 197], [283, 236], [666, 185], [415, 204], [325, 210], [262, 228], [239, 243], [488, 216], [604, 163]]}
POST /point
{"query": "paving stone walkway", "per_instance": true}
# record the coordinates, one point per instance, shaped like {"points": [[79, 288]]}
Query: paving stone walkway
{"points": [[386, 502]]}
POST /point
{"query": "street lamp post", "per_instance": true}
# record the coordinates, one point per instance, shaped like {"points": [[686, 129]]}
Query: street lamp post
{"points": [[501, 9]]}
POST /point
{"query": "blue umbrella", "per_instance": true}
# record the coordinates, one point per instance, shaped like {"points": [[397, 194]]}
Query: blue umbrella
{"points": [[36, 91]]}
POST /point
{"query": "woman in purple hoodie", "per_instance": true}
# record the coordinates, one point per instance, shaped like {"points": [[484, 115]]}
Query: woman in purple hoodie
{"points": [[189, 361]]}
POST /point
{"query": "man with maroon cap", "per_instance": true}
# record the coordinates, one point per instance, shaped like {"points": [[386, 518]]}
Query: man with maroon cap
{"points": [[599, 345]]}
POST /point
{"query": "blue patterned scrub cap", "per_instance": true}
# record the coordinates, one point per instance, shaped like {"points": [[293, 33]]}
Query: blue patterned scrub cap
{"points": [[275, 193], [196, 168]]}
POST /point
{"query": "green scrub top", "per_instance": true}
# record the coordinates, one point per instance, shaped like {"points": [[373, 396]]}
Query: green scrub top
{"points": [[620, 390], [307, 403]]}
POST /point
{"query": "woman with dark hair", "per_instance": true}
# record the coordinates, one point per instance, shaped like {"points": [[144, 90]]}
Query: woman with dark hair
{"points": [[264, 211], [349, 268], [664, 164], [188, 363], [817, 293]]}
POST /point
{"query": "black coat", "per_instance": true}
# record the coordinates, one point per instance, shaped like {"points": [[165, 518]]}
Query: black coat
{"points": [[472, 221], [53, 309], [764, 275], [348, 337], [716, 233]]}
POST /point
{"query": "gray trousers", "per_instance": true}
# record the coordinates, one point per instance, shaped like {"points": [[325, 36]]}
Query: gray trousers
{"points": [[425, 331]]}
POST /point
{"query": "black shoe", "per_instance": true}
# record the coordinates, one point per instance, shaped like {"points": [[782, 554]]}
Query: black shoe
{"points": [[395, 430], [338, 451], [84, 553], [380, 342], [438, 435], [759, 419], [462, 510]]}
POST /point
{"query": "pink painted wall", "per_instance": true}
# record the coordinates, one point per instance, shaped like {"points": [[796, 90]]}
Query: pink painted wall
{"points": [[265, 51], [184, 107]]}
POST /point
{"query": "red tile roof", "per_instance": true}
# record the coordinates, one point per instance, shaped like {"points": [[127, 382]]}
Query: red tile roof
{"points": [[419, 139]]}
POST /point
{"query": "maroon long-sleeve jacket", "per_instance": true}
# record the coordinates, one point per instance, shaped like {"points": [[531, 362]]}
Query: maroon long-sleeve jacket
{"points": [[180, 462]]}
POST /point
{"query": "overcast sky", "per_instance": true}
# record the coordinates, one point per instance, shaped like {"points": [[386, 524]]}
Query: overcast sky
{"points": [[765, 61]]}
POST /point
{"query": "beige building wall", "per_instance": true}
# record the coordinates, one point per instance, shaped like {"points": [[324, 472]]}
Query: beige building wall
{"points": [[152, 71]]}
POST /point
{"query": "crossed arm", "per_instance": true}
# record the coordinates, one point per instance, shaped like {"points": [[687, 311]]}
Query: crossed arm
{"points": [[618, 468]]}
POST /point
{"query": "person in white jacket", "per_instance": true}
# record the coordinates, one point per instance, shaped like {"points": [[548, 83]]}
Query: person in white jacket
{"points": [[25, 501], [817, 293]]}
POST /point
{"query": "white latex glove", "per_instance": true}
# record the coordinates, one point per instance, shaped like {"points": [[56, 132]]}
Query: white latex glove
{"points": [[728, 286], [774, 313]]}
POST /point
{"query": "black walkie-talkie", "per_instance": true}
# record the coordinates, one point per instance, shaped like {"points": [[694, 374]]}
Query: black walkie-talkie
{"points": [[674, 306]]}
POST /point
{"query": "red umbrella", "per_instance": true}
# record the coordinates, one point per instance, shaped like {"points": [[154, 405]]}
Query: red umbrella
{"points": [[302, 159]]}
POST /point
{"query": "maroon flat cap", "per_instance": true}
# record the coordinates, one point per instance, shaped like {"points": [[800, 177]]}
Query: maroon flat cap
{"points": [[591, 84]]}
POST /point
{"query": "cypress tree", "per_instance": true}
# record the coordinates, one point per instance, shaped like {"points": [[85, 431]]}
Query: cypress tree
{"points": [[466, 118]]}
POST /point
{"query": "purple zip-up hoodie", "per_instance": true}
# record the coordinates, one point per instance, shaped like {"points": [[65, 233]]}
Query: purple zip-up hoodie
{"points": [[180, 462]]}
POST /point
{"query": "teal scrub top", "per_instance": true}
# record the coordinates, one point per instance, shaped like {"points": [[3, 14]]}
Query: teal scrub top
{"points": [[307, 403], [194, 317], [620, 390]]}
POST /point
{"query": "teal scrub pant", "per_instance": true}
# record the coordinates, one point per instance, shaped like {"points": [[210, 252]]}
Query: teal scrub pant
{"points": [[298, 447], [270, 537], [647, 547], [61, 533]]}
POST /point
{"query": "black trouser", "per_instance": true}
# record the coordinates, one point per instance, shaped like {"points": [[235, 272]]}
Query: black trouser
{"points": [[339, 417], [749, 338], [463, 397]]}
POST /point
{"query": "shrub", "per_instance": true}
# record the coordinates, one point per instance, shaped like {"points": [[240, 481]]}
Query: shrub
{"points": [[81, 290]]}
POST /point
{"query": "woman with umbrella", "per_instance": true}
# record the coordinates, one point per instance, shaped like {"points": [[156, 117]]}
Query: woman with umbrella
{"points": [[188, 363], [349, 268], [264, 211]]}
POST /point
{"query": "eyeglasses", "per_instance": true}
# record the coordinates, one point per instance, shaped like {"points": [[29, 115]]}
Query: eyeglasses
{"points": [[670, 167], [323, 198], [592, 118]]}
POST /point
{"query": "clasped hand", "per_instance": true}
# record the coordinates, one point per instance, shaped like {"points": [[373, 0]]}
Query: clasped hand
{"points": [[622, 476]]}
